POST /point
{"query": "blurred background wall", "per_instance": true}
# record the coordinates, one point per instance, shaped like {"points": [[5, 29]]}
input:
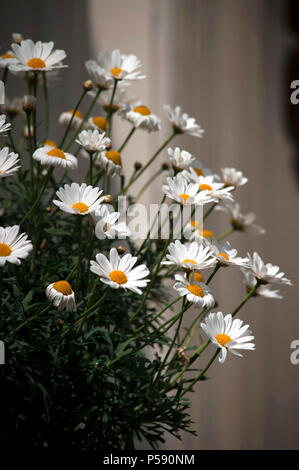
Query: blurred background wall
{"points": [[229, 63]]}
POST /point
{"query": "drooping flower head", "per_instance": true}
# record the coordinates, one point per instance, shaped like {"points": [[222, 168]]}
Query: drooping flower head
{"points": [[93, 141], [191, 256], [141, 117], [53, 156], [182, 123], [195, 292], [62, 295]]}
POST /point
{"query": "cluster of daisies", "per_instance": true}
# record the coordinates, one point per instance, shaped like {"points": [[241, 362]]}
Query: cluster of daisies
{"points": [[188, 183]]}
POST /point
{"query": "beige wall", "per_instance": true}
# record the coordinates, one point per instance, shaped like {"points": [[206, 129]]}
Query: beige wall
{"points": [[223, 62]]}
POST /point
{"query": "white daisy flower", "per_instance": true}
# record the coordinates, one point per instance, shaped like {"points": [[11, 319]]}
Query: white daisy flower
{"points": [[225, 255], [108, 68], [54, 156], [263, 291], [232, 177], [79, 199], [243, 222], [111, 161], [97, 122], [4, 127], [93, 141], [180, 159], [266, 273], [227, 334], [118, 272], [196, 292], [62, 295], [200, 170], [13, 246], [8, 162], [66, 116], [181, 122], [141, 117], [185, 193], [208, 185], [190, 256], [7, 59], [36, 56], [106, 226]]}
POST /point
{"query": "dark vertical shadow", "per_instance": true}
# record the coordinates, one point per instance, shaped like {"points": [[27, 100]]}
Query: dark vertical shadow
{"points": [[292, 73]]}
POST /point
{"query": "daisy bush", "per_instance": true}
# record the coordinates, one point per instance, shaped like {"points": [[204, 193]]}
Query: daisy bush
{"points": [[104, 331]]}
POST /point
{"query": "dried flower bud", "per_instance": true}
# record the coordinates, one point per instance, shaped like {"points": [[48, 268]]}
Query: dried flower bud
{"points": [[182, 356], [17, 38], [108, 199], [137, 166], [121, 249], [109, 146], [60, 322], [48, 209], [165, 166], [88, 85], [29, 103]]}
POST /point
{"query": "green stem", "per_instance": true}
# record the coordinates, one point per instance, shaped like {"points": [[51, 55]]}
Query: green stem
{"points": [[93, 307], [31, 156], [147, 184], [47, 177], [79, 251], [71, 120], [210, 211], [127, 139], [226, 234], [90, 167], [201, 375], [110, 110], [5, 74], [217, 267], [46, 97], [86, 116], [149, 162], [198, 352], [1, 293], [29, 320]]}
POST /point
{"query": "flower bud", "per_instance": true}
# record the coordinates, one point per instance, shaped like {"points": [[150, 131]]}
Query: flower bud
{"points": [[137, 166], [165, 166], [29, 103], [60, 322], [17, 38], [121, 249], [88, 85], [108, 199]]}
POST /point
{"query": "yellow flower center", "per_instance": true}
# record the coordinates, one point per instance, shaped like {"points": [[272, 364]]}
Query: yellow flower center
{"points": [[144, 110], [7, 56], [81, 207], [36, 63], [0, 172], [205, 187], [118, 276], [198, 171], [114, 156], [188, 261], [116, 71], [184, 196], [56, 153], [77, 113], [224, 255], [193, 224], [50, 143], [223, 339], [195, 290], [63, 287], [197, 277], [5, 250], [100, 122], [207, 234]]}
